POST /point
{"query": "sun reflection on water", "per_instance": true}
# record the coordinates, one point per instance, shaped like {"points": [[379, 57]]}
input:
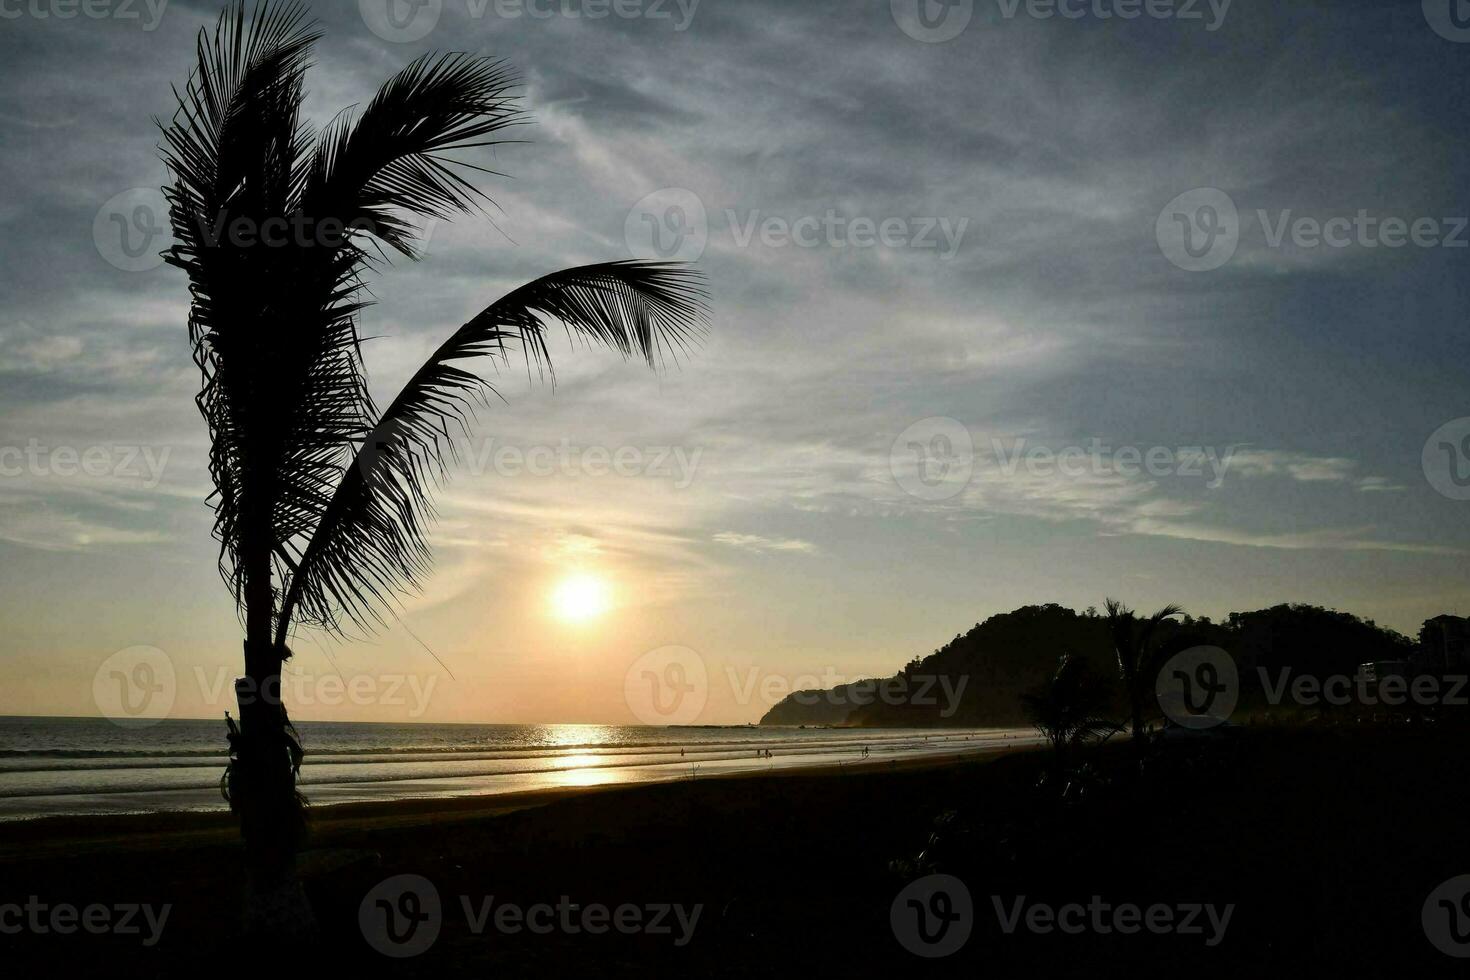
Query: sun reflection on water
{"points": [[589, 777], [559, 735]]}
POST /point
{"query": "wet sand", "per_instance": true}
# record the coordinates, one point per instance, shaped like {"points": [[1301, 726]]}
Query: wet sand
{"points": [[72, 835]]}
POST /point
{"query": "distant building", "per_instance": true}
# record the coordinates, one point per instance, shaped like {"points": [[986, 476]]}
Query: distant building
{"points": [[1445, 641]]}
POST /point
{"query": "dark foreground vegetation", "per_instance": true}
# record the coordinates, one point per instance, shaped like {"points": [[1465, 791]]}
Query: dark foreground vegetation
{"points": [[1326, 841]]}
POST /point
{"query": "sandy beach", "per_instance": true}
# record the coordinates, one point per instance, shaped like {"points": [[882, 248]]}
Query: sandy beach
{"points": [[1287, 829]]}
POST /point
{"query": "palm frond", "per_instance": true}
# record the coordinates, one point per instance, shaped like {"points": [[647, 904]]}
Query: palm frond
{"points": [[370, 543], [1067, 708], [393, 161], [274, 337], [1148, 651]]}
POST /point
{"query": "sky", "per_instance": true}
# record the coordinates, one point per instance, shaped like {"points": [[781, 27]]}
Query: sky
{"points": [[961, 356]]}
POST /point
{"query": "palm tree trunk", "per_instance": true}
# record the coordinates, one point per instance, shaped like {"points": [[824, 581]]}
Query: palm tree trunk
{"points": [[263, 775]]}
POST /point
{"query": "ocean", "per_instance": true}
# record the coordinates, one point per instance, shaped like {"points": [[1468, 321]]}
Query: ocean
{"points": [[92, 765]]}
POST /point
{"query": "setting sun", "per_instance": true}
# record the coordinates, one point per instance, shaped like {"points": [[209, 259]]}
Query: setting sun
{"points": [[580, 597]]}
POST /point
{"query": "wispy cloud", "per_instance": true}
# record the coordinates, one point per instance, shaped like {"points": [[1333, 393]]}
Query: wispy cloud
{"points": [[759, 543]]}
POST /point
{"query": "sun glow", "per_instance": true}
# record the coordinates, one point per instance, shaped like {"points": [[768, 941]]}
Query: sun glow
{"points": [[579, 598]]}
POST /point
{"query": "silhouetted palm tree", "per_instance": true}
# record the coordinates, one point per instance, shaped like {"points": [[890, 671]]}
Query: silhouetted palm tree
{"points": [[1068, 709], [321, 500], [1133, 644]]}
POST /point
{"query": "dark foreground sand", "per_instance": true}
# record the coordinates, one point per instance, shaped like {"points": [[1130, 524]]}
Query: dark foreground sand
{"points": [[1327, 844]]}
